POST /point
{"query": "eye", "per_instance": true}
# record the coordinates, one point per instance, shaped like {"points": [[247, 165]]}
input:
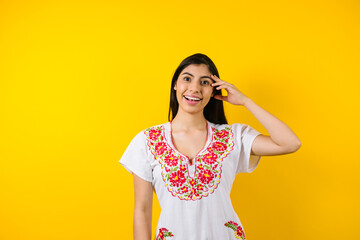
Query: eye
{"points": [[205, 82], [186, 78]]}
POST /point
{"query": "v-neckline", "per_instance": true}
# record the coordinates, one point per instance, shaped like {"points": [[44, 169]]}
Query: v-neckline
{"points": [[209, 136]]}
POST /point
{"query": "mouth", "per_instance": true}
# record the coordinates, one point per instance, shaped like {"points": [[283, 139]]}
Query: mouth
{"points": [[192, 99]]}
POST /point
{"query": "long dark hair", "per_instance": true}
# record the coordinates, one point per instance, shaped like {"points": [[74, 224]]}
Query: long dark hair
{"points": [[214, 110]]}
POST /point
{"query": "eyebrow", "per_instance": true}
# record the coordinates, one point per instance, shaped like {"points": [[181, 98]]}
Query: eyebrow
{"points": [[200, 77]]}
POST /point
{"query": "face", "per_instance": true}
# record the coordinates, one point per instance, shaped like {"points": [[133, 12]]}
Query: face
{"points": [[193, 88]]}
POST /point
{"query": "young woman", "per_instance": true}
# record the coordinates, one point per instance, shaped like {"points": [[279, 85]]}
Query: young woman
{"points": [[191, 161]]}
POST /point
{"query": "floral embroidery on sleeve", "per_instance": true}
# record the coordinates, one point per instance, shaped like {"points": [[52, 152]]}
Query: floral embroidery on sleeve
{"points": [[238, 230], [174, 166], [163, 232]]}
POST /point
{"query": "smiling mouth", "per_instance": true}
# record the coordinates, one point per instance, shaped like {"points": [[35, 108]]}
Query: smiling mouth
{"points": [[192, 99]]}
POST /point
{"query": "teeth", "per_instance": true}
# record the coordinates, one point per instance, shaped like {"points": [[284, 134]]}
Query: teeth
{"points": [[191, 98]]}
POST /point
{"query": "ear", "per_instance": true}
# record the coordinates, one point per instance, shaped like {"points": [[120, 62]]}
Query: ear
{"points": [[175, 86]]}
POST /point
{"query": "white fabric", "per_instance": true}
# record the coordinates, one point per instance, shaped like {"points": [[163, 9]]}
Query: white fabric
{"points": [[202, 218]]}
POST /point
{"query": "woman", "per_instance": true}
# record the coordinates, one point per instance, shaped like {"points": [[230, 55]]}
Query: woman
{"points": [[191, 161]]}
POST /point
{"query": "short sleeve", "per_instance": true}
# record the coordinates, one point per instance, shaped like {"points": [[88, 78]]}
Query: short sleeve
{"points": [[244, 137], [136, 158]]}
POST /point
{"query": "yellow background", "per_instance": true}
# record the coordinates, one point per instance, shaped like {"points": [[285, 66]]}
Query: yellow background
{"points": [[78, 80]]}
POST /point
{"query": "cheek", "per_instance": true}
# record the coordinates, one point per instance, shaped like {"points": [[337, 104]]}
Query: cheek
{"points": [[180, 90], [179, 94], [210, 92]]}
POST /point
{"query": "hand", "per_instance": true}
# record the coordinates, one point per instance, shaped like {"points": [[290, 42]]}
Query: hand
{"points": [[234, 96]]}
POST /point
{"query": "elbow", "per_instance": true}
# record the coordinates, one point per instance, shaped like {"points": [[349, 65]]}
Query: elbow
{"points": [[294, 146]]}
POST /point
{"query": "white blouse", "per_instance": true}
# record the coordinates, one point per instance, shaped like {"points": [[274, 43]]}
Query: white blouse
{"points": [[194, 198]]}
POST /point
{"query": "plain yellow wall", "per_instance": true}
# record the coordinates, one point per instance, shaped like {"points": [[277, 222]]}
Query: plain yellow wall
{"points": [[78, 80]]}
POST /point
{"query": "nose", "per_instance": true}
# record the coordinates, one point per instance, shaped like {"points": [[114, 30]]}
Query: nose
{"points": [[194, 86]]}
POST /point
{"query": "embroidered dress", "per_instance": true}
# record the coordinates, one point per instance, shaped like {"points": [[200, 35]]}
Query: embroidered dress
{"points": [[194, 198]]}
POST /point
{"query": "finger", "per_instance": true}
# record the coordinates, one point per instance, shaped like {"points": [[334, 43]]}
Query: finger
{"points": [[221, 82], [221, 98], [221, 87], [215, 84], [224, 85], [215, 78]]}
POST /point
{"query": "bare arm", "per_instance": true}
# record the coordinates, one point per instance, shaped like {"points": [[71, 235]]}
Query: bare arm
{"points": [[143, 208], [282, 139]]}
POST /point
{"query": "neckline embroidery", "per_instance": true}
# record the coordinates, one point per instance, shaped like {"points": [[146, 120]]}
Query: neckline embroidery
{"points": [[171, 143], [175, 167]]}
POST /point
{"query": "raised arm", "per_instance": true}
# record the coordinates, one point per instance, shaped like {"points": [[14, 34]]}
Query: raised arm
{"points": [[282, 139], [143, 208]]}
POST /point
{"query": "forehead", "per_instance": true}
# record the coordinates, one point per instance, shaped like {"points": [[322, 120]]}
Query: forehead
{"points": [[196, 69]]}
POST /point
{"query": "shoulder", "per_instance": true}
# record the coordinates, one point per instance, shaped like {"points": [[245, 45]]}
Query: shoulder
{"points": [[223, 130], [145, 132], [158, 126], [233, 126], [237, 129], [217, 126], [141, 139]]}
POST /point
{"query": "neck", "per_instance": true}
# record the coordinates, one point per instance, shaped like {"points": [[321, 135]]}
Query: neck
{"points": [[188, 122]]}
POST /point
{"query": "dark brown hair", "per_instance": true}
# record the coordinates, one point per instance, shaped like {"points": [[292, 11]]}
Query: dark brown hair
{"points": [[214, 110]]}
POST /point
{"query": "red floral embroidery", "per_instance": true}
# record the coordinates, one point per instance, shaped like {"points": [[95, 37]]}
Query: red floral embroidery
{"points": [[194, 193], [174, 166], [154, 134], [184, 189], [200, 167], [219, 146], [163, 232], [171, 160], [177, 178], [222, 134], [206, 176], [183, 168], [192, 182], [238, 230], [160, 148], [209, 158]]}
